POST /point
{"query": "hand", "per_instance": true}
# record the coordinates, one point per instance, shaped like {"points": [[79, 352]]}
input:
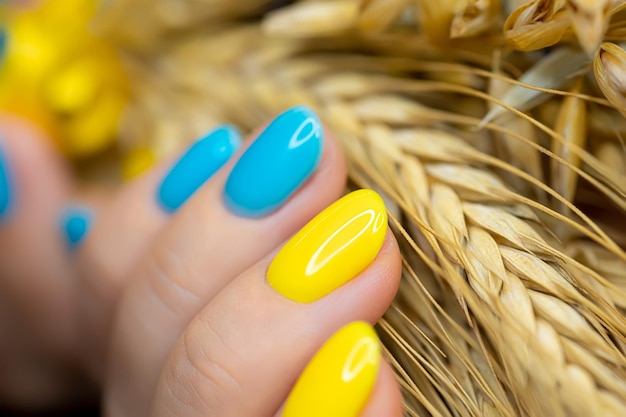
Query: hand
{"points": [[179, 258]]}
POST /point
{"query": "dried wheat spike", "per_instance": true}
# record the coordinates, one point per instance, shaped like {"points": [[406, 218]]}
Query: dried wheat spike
{"points": [[531, 309]]}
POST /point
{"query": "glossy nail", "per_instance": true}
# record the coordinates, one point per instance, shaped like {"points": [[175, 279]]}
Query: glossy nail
{"points": [[6, 192], [333, 248], [341, 376], [75, 224], [282, 158], [197, 165]]}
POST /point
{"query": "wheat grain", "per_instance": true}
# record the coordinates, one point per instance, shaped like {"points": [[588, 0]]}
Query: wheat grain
{"points": [[311, 19], [608, 66], [378, 15], [476, 18], [590, 19], [571, 123], [536, 24]]}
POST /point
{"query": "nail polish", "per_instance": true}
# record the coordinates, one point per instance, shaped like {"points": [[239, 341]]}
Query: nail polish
{"points": [[6, 192], [333, 248], [3, 44], [339, 380], [205, 157], [75, 224], [279, 161]]}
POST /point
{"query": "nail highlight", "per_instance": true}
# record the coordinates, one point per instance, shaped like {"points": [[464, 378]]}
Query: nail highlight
{"points": [[341, 376], [333, 248], [75, 224], [196, 166], [279, 161], [6, 193]]}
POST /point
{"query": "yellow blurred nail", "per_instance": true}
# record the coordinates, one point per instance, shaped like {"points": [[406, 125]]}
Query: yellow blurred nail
{"points": [[339, 379], [138, 161], [331, 249]]}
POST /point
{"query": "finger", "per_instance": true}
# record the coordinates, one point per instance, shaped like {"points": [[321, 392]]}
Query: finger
{"points": [[126, 227], [243, 352], [207, 244], [34, 187], [38, 328], [386, 399], [347, 377]]}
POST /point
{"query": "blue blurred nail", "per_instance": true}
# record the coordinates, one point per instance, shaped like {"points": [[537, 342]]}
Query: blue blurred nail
{"points": [[197, 165], [3, 43], [6, 193], [75, 223], [279, 161]]}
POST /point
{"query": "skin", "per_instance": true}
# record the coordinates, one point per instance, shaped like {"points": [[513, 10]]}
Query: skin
{"points": [[143, 278]]}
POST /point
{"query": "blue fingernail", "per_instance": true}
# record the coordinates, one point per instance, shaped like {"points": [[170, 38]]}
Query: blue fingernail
{"points": [[6, 193], [197, 165], [279, 161], [75, 223], [3, 43]]}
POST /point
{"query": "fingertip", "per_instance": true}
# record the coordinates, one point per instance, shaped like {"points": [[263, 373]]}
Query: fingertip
{"points": [[386, 398], [76, 222], [196, 166], [6, 186], [347, 377], [331, 249], [277, 163], [33, 174], [369, 295]]}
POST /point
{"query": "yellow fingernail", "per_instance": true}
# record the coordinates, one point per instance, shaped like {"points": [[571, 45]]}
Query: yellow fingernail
{"points": [[339, 379], [331, 249]]}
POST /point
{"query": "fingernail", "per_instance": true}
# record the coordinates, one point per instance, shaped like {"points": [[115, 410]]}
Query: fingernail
{"points": [[75, 224], [197, 165], [276, 164], [333, 248], [6, 193], [341, 376], [3, 44]]}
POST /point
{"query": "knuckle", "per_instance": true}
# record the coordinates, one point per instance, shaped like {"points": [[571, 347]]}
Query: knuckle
{"points": [[211, 381], [166, 277]]}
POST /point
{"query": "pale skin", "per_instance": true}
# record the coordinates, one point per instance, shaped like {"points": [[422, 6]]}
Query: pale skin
{"points": [[143, 285]]}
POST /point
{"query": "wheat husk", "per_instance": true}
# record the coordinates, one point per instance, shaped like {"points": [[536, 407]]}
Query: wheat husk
{"points": [[571, 123], [377, 15], [312, 19], [608, 65], [590, 20], [536, 24], [514, 283], [476, 18]]}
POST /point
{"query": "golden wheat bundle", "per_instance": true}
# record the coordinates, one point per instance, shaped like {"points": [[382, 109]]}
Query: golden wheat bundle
{"points": [[494, 129]]}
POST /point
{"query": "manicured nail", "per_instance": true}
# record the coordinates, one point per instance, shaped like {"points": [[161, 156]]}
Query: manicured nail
{"points": [[75, 224], [276, 164], [197, 165], [6, 193], [341, 376], [333, 248], [3, 44]]}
